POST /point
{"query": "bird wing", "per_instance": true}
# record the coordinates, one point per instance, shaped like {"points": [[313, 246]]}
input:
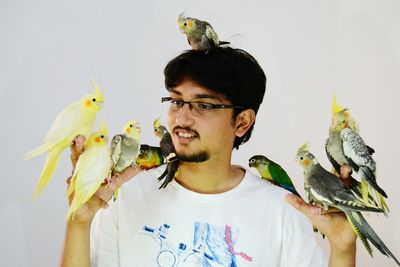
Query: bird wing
{"points": [[64, 124], [355, 149], [115, 148], [212, 35]]}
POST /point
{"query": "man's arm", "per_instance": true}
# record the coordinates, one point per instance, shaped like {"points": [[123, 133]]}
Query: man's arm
{"points": [[76, 251]]}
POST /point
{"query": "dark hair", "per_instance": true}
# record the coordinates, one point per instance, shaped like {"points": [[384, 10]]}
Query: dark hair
{"points": [[230, 71]]}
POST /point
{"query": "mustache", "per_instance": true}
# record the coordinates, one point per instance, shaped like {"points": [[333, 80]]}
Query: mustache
{"points": [[188, 129]]}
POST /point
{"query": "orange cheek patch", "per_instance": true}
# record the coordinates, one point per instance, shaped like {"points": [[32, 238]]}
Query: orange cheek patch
{"points": [[306, 162], [97, 140], [128, 130], [88, 103]]}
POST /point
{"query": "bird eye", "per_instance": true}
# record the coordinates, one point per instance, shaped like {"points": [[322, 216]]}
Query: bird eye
{"points": [[185, 24], [101, 136], [252, 160], [131, 125], [94, 99], [301, 158], [141, 152]]}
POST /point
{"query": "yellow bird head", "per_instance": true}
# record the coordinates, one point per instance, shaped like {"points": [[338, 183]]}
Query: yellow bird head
{"points": [[157, 127], [341, 117], [99, 137], [94, 101], [132, 129], [186, 24]]}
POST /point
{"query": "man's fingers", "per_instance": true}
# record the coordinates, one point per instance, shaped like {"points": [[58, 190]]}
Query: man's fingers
{"points": [[345, 171], [310, 211], [123, 177]]}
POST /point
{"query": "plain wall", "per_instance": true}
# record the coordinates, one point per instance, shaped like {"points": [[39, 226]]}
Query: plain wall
{"points": [[50, 50]]}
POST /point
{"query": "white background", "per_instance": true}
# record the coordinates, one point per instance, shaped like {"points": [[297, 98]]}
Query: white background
{"points": [[50, 50]]}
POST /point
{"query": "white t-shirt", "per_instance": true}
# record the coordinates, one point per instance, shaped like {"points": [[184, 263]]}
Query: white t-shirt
{"points": [[250, 225]]}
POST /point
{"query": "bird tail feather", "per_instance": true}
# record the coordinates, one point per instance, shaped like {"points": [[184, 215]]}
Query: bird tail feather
{"points": [[48, 170]]}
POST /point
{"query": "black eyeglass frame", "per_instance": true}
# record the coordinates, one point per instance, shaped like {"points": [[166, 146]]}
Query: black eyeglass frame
{"points": [[210, 106]]}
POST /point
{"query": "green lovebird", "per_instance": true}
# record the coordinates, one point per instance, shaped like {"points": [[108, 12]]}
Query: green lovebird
{"points": [[272, 172], [149, 157], [327, 190], [199, 33]]}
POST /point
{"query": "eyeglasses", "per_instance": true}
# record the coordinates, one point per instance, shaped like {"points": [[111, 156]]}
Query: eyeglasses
{"points": [[198, 108]]}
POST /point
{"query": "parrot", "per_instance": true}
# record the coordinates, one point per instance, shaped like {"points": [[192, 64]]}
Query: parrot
{"points": [[345, 146], [168, 152], [199, 33], [327, 190], [125, 149], [272, 172], [76, 119], [149, 157], [93, 167]]}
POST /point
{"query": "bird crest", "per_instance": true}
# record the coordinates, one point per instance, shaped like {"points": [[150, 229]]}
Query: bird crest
{"points": [[157, 123], [103, 127], [97, 91], [303, 148]]}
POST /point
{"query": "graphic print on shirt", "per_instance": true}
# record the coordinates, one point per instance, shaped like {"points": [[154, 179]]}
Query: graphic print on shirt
{"points": [[212, 246]]}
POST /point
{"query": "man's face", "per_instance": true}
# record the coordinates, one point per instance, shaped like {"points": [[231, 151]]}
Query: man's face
{"points": [[199, 136]]}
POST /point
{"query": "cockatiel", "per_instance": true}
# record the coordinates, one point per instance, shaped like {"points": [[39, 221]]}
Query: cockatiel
{"points": [[345, 147], [149, 157], [199, 33], [77, 119], [168, 151], [327, 190], [93, 167], [272, 172], [125, 149]]}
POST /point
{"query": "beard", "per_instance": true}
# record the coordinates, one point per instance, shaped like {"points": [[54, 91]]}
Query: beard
{"points": [[195, 157]]}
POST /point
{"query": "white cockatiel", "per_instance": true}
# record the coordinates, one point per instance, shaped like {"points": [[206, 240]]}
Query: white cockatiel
{"points": [[92, 168]]}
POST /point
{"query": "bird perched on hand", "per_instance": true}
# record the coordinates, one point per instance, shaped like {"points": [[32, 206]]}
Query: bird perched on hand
{"points": [[149, 157], [77, 119], [93, 167], [327, 190], [345, 147], [199, 33], [168, 152], [125, 149], [272, 172]]}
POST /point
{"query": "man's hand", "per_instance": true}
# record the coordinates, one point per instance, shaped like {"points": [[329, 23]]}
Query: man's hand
{"points": [[104, 193]]}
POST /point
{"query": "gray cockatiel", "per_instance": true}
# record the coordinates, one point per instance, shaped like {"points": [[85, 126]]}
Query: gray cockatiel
{"points": [[168, 151], [345, 147], [327, 190], [125, 148], [199, 33]]}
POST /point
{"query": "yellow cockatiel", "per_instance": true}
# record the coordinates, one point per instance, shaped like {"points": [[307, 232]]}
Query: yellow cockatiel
{"points": [[77, 119], [92, 168]]}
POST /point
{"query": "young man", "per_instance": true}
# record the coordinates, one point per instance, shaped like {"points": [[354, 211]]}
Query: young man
{"points": [[213, 213]]}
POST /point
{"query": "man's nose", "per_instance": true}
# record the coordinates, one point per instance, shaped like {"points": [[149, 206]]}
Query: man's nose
{"points": [[184, 116]]}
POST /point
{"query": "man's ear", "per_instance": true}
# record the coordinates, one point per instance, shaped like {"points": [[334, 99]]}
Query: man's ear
{"points": [[244, 120]]}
